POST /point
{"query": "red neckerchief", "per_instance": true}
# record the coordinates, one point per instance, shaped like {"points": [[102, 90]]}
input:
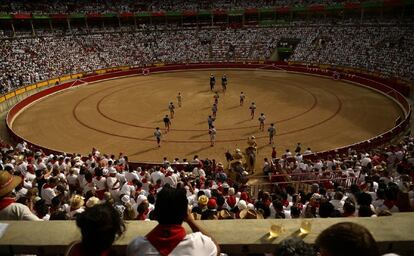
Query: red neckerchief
{"points": [[389, 203], [47, 185], [79, 250], [166, 237], [285, 203], [6, 202]]}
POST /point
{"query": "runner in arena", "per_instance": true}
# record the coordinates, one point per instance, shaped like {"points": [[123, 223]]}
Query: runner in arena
{"points": [[214, 110], [171, 107], [167, 123], [216, 98], [242, 98], [252, 109], [224, 83], [212, 82], [212, 131], [157, 135], [210, 121], [272, 132], [262, 119], [179, 99]]}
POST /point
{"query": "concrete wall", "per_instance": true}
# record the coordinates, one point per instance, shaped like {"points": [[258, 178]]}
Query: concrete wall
{"points": [[393, 234]]}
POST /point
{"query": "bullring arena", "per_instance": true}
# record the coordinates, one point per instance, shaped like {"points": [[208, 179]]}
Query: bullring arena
{"points": [[85, 84], [120, 115]]}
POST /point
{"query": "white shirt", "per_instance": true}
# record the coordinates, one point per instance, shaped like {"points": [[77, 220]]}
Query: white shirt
{"points": [[157, 175], [127, 189], [16, 211], [48, 194], [365, 161], [130, 176], [99, 184], [193, 244], [198, 172]]}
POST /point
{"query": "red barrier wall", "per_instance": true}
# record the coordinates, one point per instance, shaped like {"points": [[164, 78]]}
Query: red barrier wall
{"points": [[390, 88]]}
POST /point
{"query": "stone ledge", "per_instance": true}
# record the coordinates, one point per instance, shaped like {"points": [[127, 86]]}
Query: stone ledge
{"points": [[393, 234]]}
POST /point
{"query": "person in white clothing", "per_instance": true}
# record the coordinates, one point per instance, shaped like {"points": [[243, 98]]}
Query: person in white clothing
{"points": [[157, 175], [262, 119], [212, 132], [131, 175], [179, 99], [199, 172], [48, 190], [113, 184], [9, 209], [169, 237]]}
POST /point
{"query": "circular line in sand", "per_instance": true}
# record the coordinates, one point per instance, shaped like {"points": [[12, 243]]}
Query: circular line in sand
{"points": [[99, 109], [76, 117]]}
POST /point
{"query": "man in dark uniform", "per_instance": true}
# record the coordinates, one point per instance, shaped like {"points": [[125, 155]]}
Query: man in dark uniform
{"points": [[298, 148], [210, 121], [224, 82], [167, 123], [212, 82]]}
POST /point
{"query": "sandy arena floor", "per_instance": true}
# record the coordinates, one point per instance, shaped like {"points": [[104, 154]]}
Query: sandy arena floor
{"points": [[120, 115]]}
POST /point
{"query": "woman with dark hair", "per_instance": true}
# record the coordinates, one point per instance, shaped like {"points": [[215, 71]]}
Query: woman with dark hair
{"points": [[100, 225], [346, 238]]}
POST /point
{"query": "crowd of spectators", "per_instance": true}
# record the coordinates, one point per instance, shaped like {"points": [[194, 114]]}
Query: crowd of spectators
{"points": [[99, 191], [60, 6], [62, 186], [26, 60], [383, 49]]}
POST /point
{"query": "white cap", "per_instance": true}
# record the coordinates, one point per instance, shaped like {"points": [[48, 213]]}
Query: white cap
{"points": [[242, 205]]}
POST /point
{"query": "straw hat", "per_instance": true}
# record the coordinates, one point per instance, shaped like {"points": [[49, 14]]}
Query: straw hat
{"points": [[250, 214], [225, 215], [76, 202], [92, 201], [8, 182], [202, 200]]}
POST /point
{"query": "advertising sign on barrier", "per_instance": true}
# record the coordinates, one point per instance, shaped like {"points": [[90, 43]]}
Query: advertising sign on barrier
{"points": [[100, 71], [30, 87], [76, 76], [64, 78], [41, 84], [10, 95], [53, 81], [20, 91]]}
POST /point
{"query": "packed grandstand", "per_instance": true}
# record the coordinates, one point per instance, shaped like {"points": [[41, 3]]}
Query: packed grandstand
{"points": [[365, 183]]}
